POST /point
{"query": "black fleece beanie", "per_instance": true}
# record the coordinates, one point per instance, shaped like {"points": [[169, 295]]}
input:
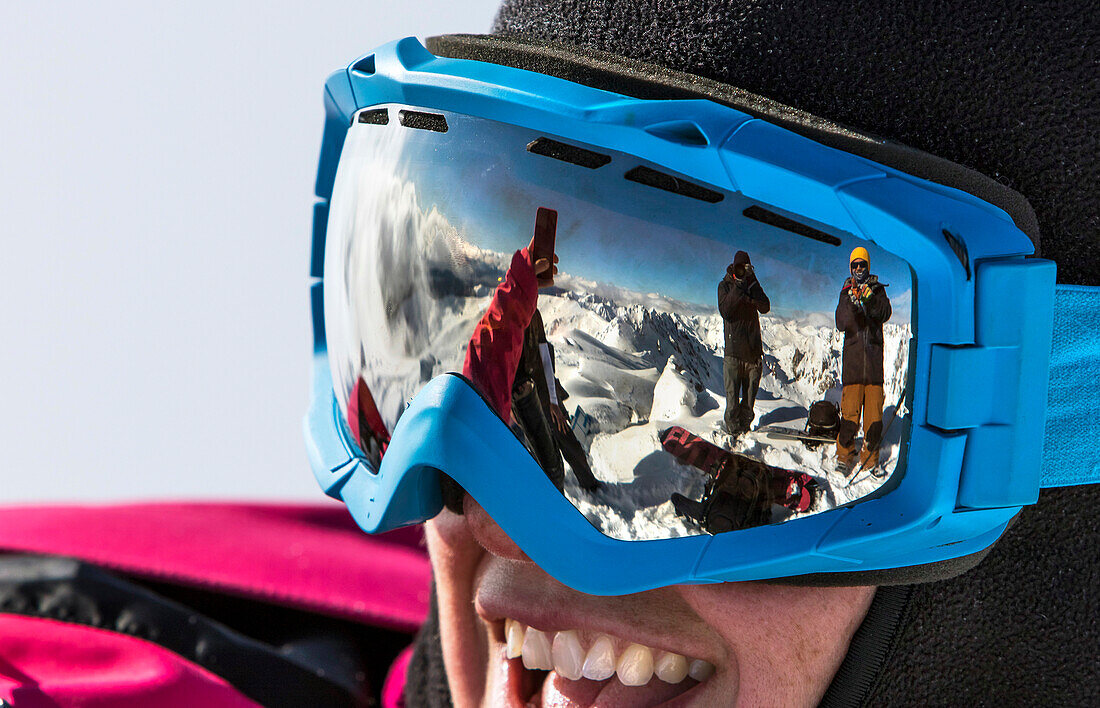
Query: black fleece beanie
{"points": [[1011, 90]]}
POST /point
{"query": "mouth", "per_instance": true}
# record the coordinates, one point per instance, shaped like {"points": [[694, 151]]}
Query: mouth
{"points": [[578, 668]]}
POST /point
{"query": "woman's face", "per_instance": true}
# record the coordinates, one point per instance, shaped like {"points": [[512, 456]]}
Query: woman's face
{"points": [[768, 644]]}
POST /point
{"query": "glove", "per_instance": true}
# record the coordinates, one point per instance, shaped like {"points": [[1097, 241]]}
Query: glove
{"points": [[859, 294]]}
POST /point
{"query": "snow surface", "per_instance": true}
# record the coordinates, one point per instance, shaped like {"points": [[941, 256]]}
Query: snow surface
{"points": [[632, 371]]}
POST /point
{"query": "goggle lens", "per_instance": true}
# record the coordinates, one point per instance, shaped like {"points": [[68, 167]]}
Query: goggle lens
{"points": [[629, 373]]}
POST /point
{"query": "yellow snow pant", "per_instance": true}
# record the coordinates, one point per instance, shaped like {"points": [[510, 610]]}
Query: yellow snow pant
{"points": [[857, 400]]}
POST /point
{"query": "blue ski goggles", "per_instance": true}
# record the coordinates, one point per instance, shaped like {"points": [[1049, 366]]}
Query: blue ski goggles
{"points": [[665, 331]]}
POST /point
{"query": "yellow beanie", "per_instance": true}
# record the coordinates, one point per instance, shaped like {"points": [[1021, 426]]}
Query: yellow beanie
{"points": [[858, 253]]}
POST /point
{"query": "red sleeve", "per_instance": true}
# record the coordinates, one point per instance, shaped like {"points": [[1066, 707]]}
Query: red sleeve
{"points": [[493, 354], [362, 402]]}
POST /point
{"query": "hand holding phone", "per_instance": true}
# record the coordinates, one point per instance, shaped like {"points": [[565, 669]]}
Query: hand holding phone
{"points": [[542, 245]]}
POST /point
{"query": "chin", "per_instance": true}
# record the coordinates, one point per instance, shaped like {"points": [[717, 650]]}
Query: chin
{"points": [[514, 637]]}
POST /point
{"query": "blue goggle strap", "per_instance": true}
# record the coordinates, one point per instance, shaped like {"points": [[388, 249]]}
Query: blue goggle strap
{"points": [[1071, 447]]}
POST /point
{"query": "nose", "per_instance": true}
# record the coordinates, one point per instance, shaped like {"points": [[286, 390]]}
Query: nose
{"points": [[491, 537]]}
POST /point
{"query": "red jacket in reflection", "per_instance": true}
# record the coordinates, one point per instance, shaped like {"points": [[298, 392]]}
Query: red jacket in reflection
{"points": [[493, 354], [365, 422]]}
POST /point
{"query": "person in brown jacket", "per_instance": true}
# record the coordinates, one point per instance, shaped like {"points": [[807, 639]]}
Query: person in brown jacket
{"points": [[741, 301], [860, 313]]}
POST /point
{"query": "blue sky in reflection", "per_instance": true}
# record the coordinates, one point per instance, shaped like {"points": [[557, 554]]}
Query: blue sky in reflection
{"points": [[611, 230]]}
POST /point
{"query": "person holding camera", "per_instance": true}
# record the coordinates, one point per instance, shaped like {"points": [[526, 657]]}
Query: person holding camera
{"points": [[860, 313], [741, 301]]}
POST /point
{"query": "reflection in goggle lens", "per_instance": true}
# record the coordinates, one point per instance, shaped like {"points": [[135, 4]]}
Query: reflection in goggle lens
{"points": [[675, 367]]}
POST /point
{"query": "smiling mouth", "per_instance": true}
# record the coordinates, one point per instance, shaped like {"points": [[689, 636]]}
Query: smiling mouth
{"points": [[574, 668]]}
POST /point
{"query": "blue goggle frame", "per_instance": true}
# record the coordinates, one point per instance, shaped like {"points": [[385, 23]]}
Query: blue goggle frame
{"points": [[978, 379]]}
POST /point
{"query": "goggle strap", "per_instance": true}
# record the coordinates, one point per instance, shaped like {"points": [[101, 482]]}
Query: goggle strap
{"points": [[1071, 448]]}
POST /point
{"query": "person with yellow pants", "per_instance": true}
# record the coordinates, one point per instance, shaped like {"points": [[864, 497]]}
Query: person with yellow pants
{"points": [[860, 314]]}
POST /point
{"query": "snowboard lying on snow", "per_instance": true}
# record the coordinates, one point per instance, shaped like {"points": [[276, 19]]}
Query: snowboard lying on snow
{"points": [[740, 491], [784, 433]]}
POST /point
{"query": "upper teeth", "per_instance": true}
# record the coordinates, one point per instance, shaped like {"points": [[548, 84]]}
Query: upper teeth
{"points": [[564, 653]]}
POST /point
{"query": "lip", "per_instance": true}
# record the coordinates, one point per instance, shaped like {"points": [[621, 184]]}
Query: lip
{"points": [[514, 680], [557, 611], [507, 585], [514, 689], [547, 620]]}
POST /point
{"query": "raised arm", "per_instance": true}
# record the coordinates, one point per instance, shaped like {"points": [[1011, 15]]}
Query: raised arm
{"points": [[494, 351], [877, 306], [732, 292], [759, 297]]}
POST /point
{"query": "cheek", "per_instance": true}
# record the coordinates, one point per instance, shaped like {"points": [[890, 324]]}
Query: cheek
{"points": [[789, 641], [452, 547], [455, 557]]}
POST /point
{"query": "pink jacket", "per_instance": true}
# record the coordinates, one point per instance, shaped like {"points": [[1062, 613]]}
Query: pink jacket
{"points": [[310, 557]]}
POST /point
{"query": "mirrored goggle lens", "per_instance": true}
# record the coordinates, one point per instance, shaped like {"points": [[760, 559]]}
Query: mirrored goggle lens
{"points": [[678, 360]]}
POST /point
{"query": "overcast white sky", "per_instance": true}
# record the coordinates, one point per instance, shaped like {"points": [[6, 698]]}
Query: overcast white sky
{"points": [[156, 184]]}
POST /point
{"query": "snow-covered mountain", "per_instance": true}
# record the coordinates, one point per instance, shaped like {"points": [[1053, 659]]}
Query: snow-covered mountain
{"points": [[632, 371]]}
